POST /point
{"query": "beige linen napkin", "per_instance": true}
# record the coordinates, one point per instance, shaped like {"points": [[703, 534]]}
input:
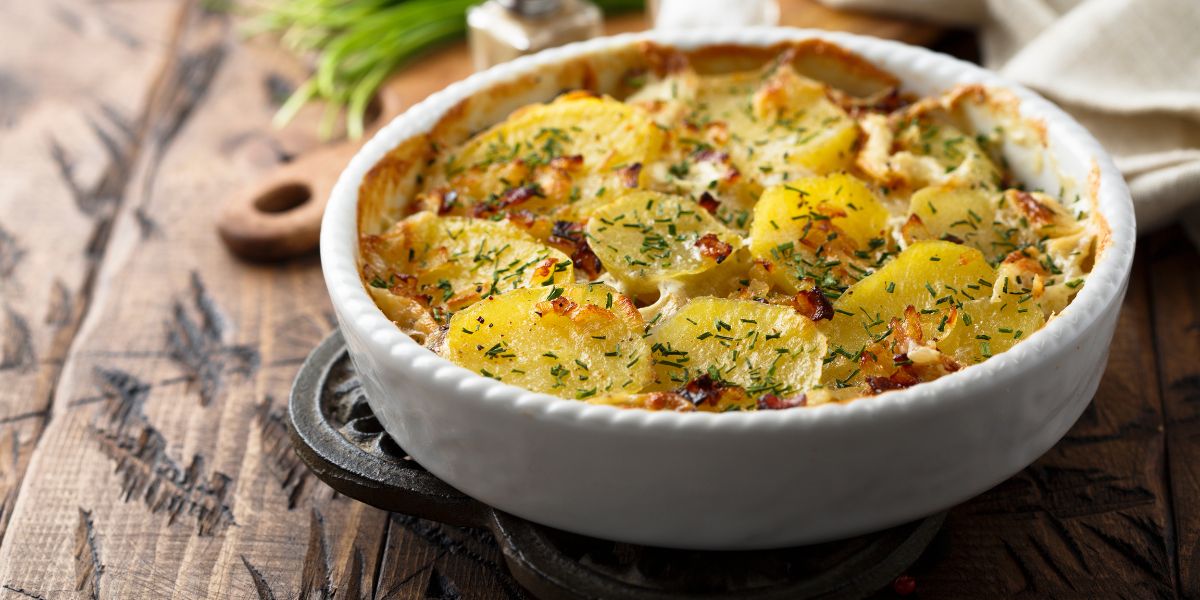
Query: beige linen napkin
{"points": [[1128, 70]]}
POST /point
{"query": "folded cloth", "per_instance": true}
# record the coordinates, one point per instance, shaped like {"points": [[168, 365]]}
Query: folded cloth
{"points": [[1128, 70]]}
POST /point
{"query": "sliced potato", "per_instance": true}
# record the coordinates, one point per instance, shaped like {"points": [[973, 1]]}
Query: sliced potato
{"points": [[836, 214], [931, 276], [647, 237], [766, 349], [564, 158], [948, 212], [820, 136], [575, 341], [984, 328], [788, 129], [457, 261]]}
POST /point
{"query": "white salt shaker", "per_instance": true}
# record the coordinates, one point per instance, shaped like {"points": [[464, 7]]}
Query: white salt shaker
{"points": [[699, 14], [501, 30]]}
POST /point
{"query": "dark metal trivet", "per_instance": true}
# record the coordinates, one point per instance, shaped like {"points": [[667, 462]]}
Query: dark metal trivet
{"points": [[335, 432]]}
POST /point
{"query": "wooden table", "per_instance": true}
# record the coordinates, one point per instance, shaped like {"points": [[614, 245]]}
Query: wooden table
{"points": [[144, 371]]}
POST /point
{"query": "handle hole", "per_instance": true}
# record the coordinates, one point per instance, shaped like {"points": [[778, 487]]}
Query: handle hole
{"points": [[283, 198], [373, 112]]}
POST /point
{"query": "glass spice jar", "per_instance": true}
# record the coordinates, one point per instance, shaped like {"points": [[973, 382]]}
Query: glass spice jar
{"points": [[501, 30]]}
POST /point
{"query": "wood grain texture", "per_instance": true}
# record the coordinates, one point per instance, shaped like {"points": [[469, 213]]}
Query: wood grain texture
{"points": [[1175, 311], [70, 130], [161, 472]]}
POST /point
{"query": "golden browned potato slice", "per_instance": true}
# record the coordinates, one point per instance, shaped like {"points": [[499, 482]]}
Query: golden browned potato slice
{"points": [[772, 126], [764, 348], [815, 228], [564, 158], [984, 328], [821, 136], [645, 238], [931, 276], [452, 262], [948, 212], [575, 341]]}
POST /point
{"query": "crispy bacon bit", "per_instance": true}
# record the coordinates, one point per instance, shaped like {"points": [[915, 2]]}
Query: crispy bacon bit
{"points": [[511, 197], [566, 231], [773, 402], [709, 203], [569, 237], [813, 304], [630, 174], [712, 246], [946, 237], [449, 201], [1036, 211], [703, 389], [585, 260], [561, 305], [523, 219], [520, 194], [567, 163], [896, 381]]}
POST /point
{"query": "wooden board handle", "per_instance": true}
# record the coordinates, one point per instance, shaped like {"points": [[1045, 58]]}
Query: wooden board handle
{"points": [[280, 216]]}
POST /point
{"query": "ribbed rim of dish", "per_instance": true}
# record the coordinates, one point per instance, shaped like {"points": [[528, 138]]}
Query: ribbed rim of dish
{"points": [[339, 246]]}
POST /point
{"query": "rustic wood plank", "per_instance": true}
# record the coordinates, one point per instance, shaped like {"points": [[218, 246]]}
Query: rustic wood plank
{"points": [[1091, 517], [166, 470], [69, 130], [1175, 287]]}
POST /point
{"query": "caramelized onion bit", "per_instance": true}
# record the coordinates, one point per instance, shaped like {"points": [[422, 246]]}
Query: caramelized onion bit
{"points": [[712, 246], [703, 389], [569, 237], [813, 304], [899, 380], [773, 402], [630, 174]]}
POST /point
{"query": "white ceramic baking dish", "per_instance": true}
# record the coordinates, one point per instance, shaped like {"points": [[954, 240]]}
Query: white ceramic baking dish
{"points": [[735, 480]]}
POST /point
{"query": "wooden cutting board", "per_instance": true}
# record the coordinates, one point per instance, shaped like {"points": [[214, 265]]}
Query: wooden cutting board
{"points": [[279, 216]]}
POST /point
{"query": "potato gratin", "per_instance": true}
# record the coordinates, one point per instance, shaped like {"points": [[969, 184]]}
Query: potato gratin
{"points": [[756, 239]]}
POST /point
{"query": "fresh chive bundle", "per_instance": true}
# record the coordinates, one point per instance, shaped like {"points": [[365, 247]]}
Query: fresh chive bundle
{"points": [[359, 43]]}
